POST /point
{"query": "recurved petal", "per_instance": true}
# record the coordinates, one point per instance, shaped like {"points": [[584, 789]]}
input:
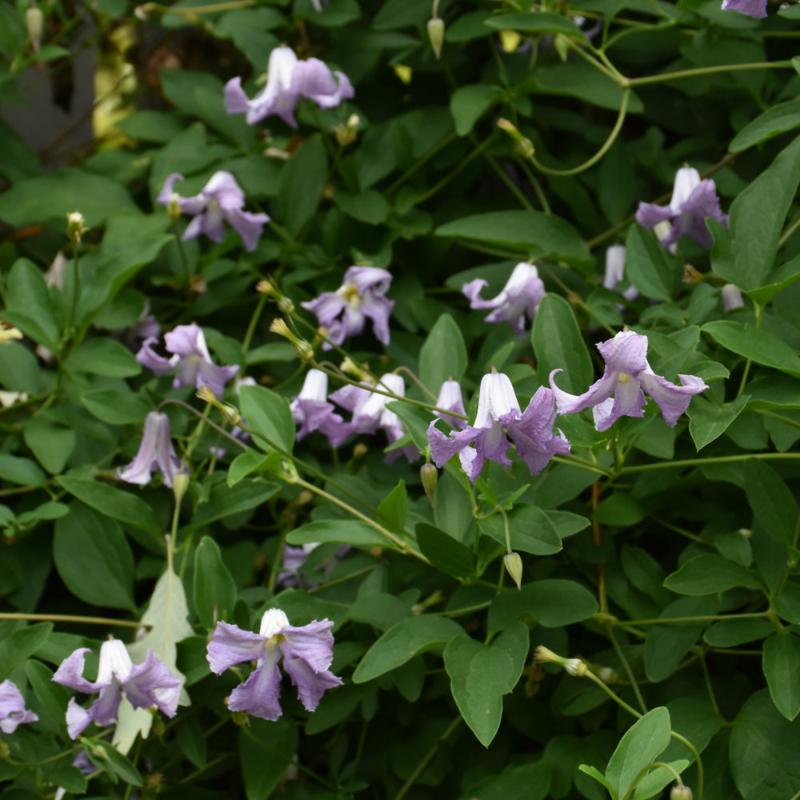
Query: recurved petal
{"points": [[260, 694], [231, 645], [310, 685], [313, 643], [673, 400], [70, 673], [152, 683]]}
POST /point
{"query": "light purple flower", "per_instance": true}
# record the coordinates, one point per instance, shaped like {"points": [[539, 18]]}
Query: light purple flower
{"points": [[144, 685], [361, 296], [731, 297], [306, 651], [289, 79], [753, 8], [627, 376], [693, 200], [220, 200], [190, 359], [497, 421], [155, 452], [371, 415], [450, 399], [12, 708], [312, 411], [294, 558], [615, 271], [519, 298]]}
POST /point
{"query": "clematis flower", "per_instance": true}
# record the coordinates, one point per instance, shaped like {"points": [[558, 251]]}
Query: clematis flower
{"points": [[220, 200], [155, 452], [12, 708], [615, 271], [627, 376], [312, 411], [450, 399], [519, 299], [294, 558], [497, 421], [190, 357], [692, 201], [289, 79], [371, 415], [361, 296], [753, 8], [144, 685], [306, 652], [731, 297]]}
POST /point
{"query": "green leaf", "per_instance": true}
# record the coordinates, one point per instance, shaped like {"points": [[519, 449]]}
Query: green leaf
{"points": [[532, 232], [648, 265], [481, 674], [641, 745], [516, 782], [469, 103], [116, 406], [550, 602], [302, 183], [51, 444], [658, 779], [531, 530], [83, 537], [106, 357], [28, 303], [51, 697], [708, 419], [370, 206], [267, 413], [757, 344], [774, 507], [763, 751], [559, 344], [774, 121], [584, 82], [248, 29], [402, 642], [444, 552], [225, 501], [21, 471], [443, 355], [16, 649], [781, 279], [338, 531], [709, 574], [781, 664], [266, 750], [214, 588], [620, 510], [245, 464], [394, 507], [115, 763], [534, 22]]}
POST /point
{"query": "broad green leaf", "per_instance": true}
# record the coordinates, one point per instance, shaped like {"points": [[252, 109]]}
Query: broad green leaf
{"points": [[51, 444], [394, 507], [104, 357], [534, 22], [444, 552], [709, 574], [116, 406], [225, 501], [21, 471], [774, 507], [658, 779], [756, 344], [400, 13], [214, 590], [248, 29], [708, 419], [268, 417], [443, 355], [245, 464], [559, 344], [469, 103], [781, 664], [781, 279], [115, 762], [28, 303], [84, 538], [516, 782], [302, 182], [334, 14], [550, 602], [481, 674], [531, 530], [402, 642], [774, 121], [735, 632], [641, 745], [24, 642], [532, 232], [51, 697], [338, 531], [266, 750], [370, 206], [650, 268], [619, 510]]}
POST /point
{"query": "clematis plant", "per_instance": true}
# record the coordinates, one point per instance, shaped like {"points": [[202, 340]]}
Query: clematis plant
{"points": [[144, 685], [220, 200], [12, 708], [289, 79], [311, 410], [306, 653], [620, 392], [190, 360], [155, 453], [499, 422], [516, 303], [752, 8], [361, 297]]}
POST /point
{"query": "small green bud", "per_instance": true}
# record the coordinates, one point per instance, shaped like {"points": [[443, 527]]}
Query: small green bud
{"points": [[561, 44], [436, 35], [680, 792], [76, 227], [180, 483], [34, 22], [429, 476], [513, 564], [5, 751]]}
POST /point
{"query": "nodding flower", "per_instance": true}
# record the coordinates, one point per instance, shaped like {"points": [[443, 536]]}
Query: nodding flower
{"points": [[311, 410], [155, 453], [12, 708]]}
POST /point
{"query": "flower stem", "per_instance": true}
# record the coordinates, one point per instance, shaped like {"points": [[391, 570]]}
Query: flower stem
{"points": [[79, 620], [426, 759], [698, 462], [698, 72]]}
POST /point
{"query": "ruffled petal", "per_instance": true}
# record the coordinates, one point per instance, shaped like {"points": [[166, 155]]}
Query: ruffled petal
{"points": [[310, 685], [443, 448], [313, 643], [70, 673], [152, 683], [148, 357], [248, 226], [260, 694], [231, 645], [628, 401], [626, 352], [673, 400]]}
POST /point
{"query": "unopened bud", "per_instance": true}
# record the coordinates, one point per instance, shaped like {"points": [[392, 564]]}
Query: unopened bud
{"points": [[143, 11], [278, 153], [509, 41], [180, 483], [436, 35], [98, 752], [288, 471], [522, 144], [8, 333], [347, 133], [267, 286], [360, 450], [561, 44], [350, 367], [285, 305], [575, 667], [429, 476], [404, 73], [745, 533], [680, 792], [34, 22], [5, 751], [304, 350], [174, 207], [513, 564], [240, 718], [608, 675], [76, 227]]}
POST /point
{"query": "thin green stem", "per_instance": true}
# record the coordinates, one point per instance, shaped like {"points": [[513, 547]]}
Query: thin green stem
{"points": [[464, 162], [251, 326], [626, 665], [537, 186], [512, 187], [420, 163], [699, 462], [78, 620], [697, 72], [759, 311], [694, 619], [709, 684], [426, 759]]}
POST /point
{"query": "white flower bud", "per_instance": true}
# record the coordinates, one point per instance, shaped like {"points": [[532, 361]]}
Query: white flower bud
{"points": [[436, 35], [34, 22]]}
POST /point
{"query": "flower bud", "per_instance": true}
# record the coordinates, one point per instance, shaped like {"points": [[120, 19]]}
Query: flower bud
{"points": [[509, 41], [76, 227], [574, 666], [143, 11], [8, 333], [680, 792], [267, 286], [513, 564], [285, 305], [429, 476], [561, 44], [34, 22], [174, 207], [608, 675], [180, 483], [347, 133], [350, 367], [436, 35], [404, 73], [5, 751], [522, 144], [360, 450]]}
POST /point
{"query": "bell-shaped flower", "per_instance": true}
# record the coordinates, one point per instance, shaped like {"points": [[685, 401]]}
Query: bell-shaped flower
{"points": [[361, 296], [12, 708], [731, 297], [144, 685], [450, 399], [220, 200], [615, 271], [306, 653], [753, 8], [621, 390], [155, 453], [498, 423], [693, 200], [289, 79], [190, 360], [311, 410], [517, 301]]}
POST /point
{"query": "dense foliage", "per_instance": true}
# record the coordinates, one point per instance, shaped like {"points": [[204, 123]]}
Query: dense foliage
{"points": [[297, 373]]}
